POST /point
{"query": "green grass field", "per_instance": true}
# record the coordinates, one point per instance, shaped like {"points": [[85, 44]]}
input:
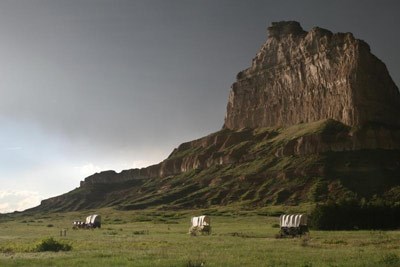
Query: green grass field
{"points": [[157, 238]]}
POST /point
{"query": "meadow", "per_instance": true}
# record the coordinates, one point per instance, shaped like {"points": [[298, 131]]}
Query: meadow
{"points": [[160, 238]]}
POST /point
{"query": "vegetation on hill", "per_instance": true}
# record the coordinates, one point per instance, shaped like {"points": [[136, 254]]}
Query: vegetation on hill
{"points": [[252, 168]]}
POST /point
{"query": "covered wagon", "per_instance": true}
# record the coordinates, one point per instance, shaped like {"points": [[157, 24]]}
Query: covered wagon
{"points": [[200, 224], [293, 224], [93, 221]]}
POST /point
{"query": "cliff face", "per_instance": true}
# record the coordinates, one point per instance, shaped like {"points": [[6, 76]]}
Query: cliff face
{"points": [[300, 76]]}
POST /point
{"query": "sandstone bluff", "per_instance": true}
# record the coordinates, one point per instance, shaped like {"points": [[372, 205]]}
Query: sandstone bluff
{"points": [[300, 76], [315, 118]]}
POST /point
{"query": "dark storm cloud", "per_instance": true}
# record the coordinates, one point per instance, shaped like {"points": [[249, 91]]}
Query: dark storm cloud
{"points": [[89, 85], [129, 74]]}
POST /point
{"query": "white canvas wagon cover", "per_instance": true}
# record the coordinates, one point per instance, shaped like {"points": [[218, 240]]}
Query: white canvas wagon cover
{"points": [[293, 220], [200, 221], [92, 219]]}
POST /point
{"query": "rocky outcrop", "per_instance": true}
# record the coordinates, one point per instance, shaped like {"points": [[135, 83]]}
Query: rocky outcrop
{"points": [[232, 147], [315, 110], [300, 76], [198, 154]]}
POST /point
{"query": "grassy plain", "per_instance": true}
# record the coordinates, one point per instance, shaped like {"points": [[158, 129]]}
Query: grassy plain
{"points": [[158, 238]]}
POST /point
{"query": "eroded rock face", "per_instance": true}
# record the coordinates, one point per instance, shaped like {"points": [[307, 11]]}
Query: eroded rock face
{"points": [[300, 76], [234, 147], [197, 154]]}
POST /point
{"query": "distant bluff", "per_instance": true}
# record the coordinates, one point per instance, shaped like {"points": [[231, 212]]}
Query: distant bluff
{"points": [[300, 76]]}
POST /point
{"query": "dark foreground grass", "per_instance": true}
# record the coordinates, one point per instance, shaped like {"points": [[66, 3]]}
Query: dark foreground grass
{"points": [[156, 238]]}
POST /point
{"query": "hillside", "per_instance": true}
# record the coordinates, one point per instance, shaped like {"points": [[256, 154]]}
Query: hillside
{"points": [[314, 119], [252, 167]]}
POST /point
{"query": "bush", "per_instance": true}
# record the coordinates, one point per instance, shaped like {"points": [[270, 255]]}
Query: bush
{"points": [[319, 191], [351, 215], [49, 244]]}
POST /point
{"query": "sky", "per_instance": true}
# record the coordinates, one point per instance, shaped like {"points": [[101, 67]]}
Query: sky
{"points": [[93, 85]]}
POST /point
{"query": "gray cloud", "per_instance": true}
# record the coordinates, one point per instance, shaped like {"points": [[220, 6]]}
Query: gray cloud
{"points": [[137, 78]]}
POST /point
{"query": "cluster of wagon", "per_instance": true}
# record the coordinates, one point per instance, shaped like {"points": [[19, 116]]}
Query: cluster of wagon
{"points": [[91, 222], [290, 224]]}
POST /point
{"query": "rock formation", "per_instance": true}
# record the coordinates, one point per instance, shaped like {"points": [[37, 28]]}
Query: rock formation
{"points": [[300, 76], [341, 136]]}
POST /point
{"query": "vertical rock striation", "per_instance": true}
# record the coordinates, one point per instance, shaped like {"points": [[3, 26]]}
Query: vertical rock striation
{"points": [[300, 76]]}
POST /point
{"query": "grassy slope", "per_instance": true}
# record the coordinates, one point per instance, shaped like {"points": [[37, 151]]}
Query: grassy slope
{"points": [[260, 173], [156, 238]]}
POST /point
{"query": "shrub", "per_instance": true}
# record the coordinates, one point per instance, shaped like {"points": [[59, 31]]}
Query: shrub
{"points": [[318, 191], [351, 215], [49, 244]]}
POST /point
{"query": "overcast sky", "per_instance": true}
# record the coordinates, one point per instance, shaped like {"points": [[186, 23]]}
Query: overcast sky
{"points": [[91, 85]]}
